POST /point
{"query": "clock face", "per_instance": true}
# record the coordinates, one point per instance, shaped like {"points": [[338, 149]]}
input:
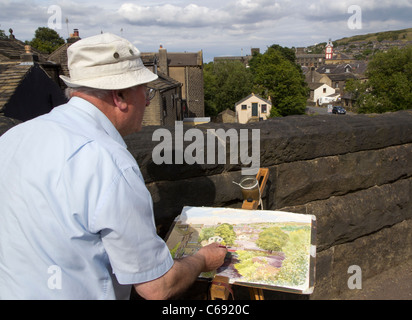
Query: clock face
{"points": [[328, 50]]}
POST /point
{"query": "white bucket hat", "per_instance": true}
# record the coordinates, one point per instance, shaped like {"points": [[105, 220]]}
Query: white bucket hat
{"points": [[107, 62]]}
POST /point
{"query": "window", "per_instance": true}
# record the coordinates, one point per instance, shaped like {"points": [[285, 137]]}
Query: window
{"points": [[244, 107], [264, 108], [324, 90]]}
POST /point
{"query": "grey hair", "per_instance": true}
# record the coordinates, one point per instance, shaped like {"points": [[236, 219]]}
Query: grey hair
{"points": [[98, 93]]}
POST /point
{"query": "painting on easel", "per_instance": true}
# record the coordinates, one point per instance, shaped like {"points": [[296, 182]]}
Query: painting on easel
{"points": [[272, 250]]}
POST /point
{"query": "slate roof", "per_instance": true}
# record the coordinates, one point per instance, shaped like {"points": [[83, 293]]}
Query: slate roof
{"points": [[164, 83], [7, 123], [11, 49], [253, 95], [11, 75], [60, 56]]}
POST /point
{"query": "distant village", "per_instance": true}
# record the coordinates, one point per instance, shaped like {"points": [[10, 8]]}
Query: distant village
{"points": [[30, 83]]}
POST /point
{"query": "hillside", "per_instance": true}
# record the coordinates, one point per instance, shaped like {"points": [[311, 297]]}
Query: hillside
{"points": [[403, 35]]}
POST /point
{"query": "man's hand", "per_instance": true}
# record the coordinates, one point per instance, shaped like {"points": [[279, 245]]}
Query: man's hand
{"points": [[213, 255], [183, 273]]}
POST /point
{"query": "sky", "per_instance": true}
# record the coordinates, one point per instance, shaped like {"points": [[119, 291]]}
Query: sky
{"points": [[217, 27]]}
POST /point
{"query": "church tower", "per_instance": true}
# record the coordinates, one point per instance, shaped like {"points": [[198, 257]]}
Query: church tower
{"points": [[329, 50]]}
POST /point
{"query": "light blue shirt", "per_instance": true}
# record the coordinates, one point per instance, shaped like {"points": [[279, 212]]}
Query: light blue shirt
{"points": [[76, 219]]}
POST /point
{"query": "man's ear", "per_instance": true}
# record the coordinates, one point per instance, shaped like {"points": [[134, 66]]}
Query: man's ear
{"points": [[118, 99]]}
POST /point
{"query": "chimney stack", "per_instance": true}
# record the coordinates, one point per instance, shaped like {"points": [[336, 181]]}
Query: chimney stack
{"points": [[74, 36], [163, 68], [28, 57]]}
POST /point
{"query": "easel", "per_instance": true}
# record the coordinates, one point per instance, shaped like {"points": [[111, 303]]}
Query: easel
{"points": [[221, 288]]}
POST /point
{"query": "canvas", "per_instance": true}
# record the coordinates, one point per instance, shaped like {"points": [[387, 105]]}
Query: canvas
{"points": [[266, 249]]}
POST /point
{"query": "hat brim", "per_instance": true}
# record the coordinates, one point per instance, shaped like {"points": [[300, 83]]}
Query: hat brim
{"points": [[114, 82]]}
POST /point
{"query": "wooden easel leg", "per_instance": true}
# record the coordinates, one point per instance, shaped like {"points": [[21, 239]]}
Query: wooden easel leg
{"points": [[220, 288], [256, 294]]}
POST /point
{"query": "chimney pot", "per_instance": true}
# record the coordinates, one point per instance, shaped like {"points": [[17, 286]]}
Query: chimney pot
{"points": [[27, 48], [28, 57], [74, 36]]}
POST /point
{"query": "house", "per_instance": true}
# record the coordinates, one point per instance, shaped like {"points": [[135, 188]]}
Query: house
{"points": [[320, 90], [252, 108], [179, 88], [312, 76], [186, 68], [310, 59], [226, 116], [243, 59], [166, 107], [340, 73], [59, 56], [28, 83]]}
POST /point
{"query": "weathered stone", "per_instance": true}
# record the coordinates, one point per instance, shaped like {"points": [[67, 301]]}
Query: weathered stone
{"points": [[374, 253], [285, 140], [354, 173], [346, 218], [304, 181]]}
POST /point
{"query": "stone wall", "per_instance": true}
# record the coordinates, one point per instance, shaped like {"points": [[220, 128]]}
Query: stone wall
{"points": [[354, 173]]}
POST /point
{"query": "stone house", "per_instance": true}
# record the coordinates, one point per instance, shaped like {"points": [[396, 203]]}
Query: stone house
{"points": [[179, 88], [226, 116], [312, 76], [310, 59], [28, 83], [340, 73], [252, 108], [187, 68], [319, 90], [166, 107]]}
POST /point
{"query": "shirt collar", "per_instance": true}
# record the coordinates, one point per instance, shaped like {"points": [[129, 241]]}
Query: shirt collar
{"points": [[99, 117]]}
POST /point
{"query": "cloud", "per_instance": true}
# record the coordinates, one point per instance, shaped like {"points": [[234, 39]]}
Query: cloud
{"points": [[191, 16], [229, 15], [219, 27]]}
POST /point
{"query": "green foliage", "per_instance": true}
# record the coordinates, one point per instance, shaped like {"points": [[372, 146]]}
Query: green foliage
{"points": [[274, 73], [280, 78], [246, 267], [2, 34], [389, 85], [206, 233], [272, 239], [174, 250], [225, 83], [46, 40], [225, 231], [296, 264]]}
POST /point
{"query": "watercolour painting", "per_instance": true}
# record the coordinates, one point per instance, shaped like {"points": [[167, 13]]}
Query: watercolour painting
{"points": [[273, 250]]}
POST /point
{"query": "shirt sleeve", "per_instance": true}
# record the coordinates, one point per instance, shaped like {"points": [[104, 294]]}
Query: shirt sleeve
{"points": [[126, 223]]}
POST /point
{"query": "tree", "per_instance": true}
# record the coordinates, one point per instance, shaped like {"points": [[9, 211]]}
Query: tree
{"points": [[225, 83], [2, 34], [389, 85], [226, 232], [272, 239], [46, 40], [277, 76]]}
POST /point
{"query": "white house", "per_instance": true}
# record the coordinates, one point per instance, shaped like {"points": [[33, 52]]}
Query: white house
{"points": [[320, 90], [252, 107]]}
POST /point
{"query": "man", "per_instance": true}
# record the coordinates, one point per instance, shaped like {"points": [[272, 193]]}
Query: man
{"points": [[76, 218]]}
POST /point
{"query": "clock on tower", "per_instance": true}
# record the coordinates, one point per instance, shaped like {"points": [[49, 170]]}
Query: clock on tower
{"points": [[329, 50]]}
